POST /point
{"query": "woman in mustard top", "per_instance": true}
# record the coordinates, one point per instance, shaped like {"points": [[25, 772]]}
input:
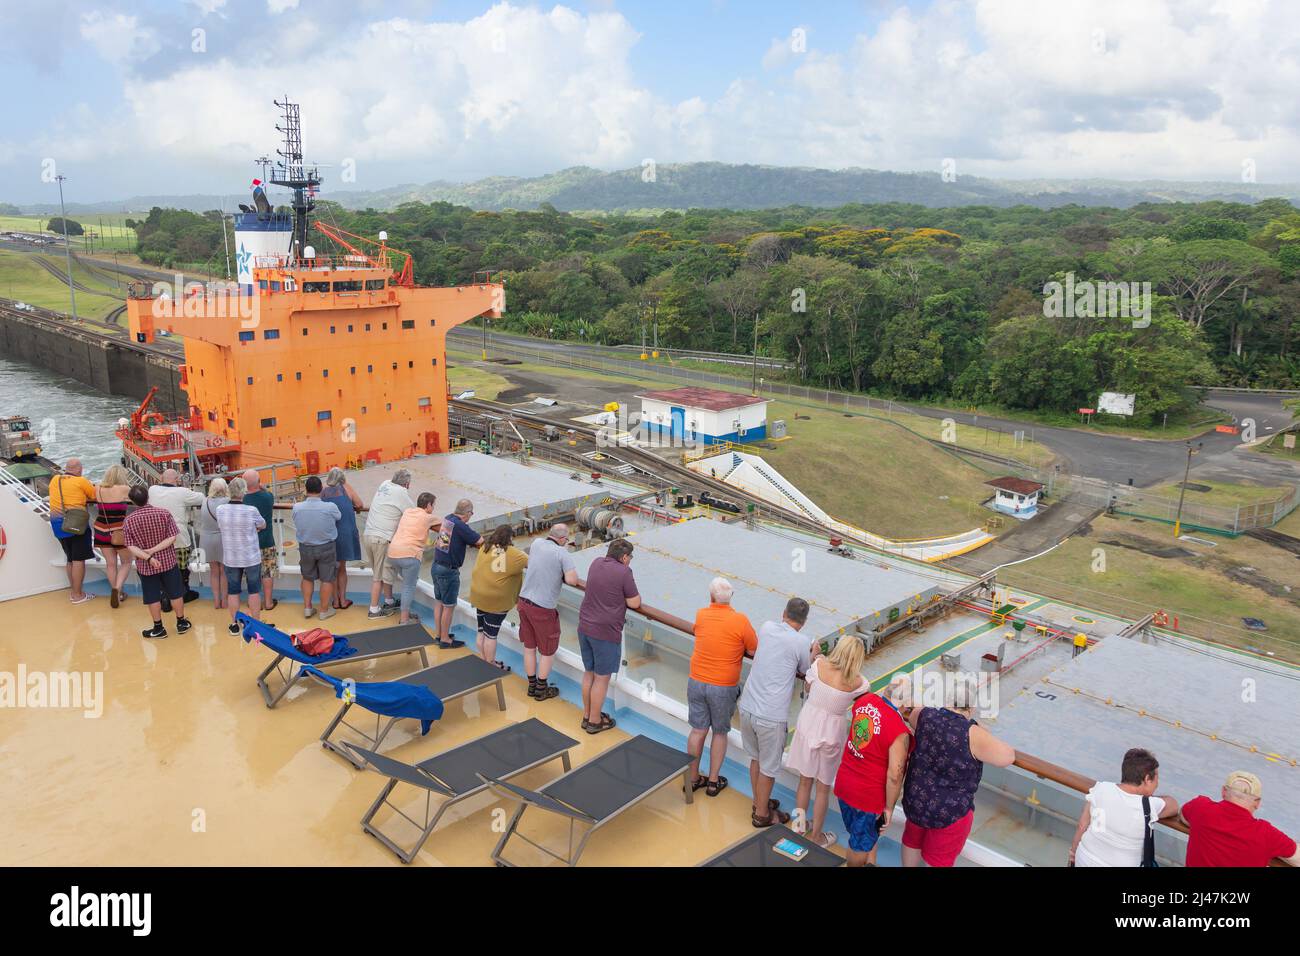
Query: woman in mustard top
{"points": [[494, 588]]}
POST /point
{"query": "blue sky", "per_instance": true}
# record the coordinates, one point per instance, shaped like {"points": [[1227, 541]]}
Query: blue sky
{"points": [[124, 101]]}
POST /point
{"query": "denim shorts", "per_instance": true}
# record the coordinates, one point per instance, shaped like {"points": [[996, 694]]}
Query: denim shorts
{"points": [[446, 583], [234, 577], [710, 706], [600, 657]]}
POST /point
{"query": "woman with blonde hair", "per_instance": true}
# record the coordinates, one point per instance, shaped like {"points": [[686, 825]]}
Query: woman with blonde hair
{"points": [[210, 538], [110, 513], [834, 681]]}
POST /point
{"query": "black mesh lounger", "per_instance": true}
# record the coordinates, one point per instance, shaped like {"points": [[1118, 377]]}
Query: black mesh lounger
{"points": [[458, 773], [597, 792], [384, 642], [458, 678], [756, 850]]}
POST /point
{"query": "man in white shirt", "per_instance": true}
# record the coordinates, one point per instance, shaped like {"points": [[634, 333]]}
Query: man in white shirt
{"points": [[177, 502], [1113, 827], [391, 499]]}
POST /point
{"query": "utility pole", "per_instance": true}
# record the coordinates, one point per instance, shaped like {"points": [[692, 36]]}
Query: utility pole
{"points": [[753, 388], [225, 243], [67, 249], [1178, 520]]}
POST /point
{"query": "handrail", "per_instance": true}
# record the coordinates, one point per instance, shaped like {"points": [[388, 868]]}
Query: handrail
{"points": [[1024, 761]]}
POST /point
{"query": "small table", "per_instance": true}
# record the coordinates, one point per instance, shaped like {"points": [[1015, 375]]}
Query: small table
{"points": [[756, 850]]}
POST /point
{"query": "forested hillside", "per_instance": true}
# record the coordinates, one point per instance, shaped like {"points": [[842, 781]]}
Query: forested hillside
{"points": [[898, 299]]}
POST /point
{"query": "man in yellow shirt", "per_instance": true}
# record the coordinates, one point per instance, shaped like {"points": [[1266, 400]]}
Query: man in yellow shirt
{"points": [[70, 490]]}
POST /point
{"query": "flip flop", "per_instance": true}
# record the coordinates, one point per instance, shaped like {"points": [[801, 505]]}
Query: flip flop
{"points": [[503, 665], [343, 607], [449, 645], [713, 788]]}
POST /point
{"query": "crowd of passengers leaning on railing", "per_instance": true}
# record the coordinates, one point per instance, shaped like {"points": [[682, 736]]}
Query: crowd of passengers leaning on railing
{"points": [[871, 751]]}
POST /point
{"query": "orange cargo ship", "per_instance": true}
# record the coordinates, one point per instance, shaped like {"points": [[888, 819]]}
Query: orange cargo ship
{"points": [[309, 361]]}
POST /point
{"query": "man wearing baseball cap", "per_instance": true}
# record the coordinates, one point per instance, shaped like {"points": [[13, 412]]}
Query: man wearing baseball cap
{"points": [[1227, 832]]}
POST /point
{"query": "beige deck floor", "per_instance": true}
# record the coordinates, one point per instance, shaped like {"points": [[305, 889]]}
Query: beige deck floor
{"points": [[187, 766]]}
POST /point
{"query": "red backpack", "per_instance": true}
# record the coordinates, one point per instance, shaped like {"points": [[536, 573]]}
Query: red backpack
{"points": [[315, 642]]}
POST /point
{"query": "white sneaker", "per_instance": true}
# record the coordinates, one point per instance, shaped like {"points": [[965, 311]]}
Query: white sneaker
{"points": [[308, 611], [328, 613]]}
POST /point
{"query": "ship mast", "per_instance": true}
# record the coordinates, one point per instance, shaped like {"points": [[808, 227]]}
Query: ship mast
{"points": [[292, 173]]}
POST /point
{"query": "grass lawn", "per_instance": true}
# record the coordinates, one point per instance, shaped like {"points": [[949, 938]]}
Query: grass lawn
{"points": [[1194, 422], [486, 385], [110, 227], [876, 475], [25, 281], [1223, 494], [1198, 587]]}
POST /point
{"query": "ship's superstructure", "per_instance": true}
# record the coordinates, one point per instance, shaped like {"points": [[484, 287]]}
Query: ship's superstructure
{"points": [[311, 360]]}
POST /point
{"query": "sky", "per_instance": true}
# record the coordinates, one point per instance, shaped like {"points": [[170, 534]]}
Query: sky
{"points": [[176, 96]]}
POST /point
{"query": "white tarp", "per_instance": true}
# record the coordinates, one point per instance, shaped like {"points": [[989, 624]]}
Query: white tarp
{"points": [[1116, 403]]}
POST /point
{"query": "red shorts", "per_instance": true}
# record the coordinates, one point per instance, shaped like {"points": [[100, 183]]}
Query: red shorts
{"points": [[539, 628], [939, 847]]}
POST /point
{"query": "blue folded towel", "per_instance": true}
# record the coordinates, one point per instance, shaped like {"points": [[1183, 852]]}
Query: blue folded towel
{"points": [[282, 643], [389, 698]]}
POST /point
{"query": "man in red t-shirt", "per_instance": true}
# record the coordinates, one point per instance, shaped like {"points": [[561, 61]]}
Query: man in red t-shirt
{"points": [[870, 777], [1227, 832]]}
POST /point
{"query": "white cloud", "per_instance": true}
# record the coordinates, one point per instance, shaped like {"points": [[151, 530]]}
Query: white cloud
{"points": [[279, 6], [117, 37], [1162, 89]]}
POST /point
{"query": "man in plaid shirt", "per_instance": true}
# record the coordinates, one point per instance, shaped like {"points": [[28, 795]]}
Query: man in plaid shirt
{"points": [[150, 534]]}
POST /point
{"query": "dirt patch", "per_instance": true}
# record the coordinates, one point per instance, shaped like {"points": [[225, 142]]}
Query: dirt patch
{"points": [[1137, 544]]}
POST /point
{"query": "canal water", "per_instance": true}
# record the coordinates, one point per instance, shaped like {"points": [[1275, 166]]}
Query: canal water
{"points": [[72, 419]]}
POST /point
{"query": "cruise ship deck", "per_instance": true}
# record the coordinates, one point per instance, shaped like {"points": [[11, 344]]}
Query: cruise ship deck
{"points": [[186, 765]]}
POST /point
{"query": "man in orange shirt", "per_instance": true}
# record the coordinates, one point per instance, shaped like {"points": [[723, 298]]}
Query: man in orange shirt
{"points": [[723, 636]]}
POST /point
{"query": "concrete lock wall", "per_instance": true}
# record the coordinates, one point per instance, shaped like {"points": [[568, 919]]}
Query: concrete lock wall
{"points": [[104, 364]]}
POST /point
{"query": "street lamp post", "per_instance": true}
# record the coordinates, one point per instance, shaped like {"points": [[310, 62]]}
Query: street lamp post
{"points": [[67, 249], [1178, 520]]}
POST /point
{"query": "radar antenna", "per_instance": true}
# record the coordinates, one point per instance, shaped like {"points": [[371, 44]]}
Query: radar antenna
{"points": [[292, 173]]}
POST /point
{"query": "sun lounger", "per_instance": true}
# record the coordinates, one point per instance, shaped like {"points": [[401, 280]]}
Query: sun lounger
{"points": [[458, 774], [756, 850], [597, 792], [465, 675], [350, 649]]}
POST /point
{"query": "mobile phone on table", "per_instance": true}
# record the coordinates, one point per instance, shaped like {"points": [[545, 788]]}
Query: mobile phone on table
{"points": [[787, 847]]}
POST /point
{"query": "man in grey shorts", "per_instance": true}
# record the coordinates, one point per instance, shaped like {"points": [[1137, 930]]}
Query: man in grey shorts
{"points": [[315, 522], [782, 655]]}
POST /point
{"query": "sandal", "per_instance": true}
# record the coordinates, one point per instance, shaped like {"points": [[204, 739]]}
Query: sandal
{"points": [[773, 818], [714, 787], [603, 716], [827, 841], [503, 665], [275, 602], [547, 692], [698, 783], [606, 723], [449, 645], [343, 607]]}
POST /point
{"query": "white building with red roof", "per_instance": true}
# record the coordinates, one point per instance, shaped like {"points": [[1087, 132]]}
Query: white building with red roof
{"points": [[704, 415], [1017, 497]]}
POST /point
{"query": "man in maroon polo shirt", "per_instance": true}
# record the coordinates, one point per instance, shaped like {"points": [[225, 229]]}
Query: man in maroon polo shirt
{"points": [[1227, 832]]}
